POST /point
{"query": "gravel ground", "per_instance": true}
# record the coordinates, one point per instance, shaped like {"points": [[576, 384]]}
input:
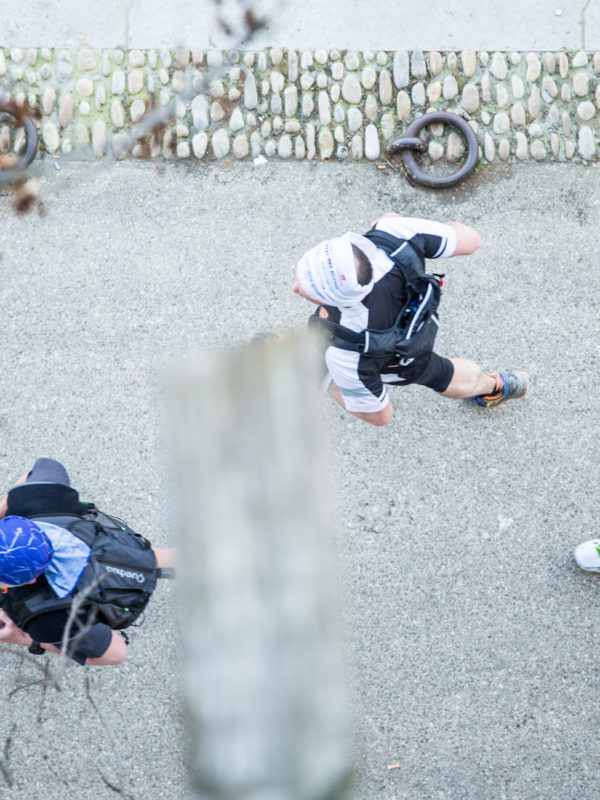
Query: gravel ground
{"points": [[471, 634]]}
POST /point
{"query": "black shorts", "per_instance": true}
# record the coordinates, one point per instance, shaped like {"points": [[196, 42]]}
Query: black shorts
{"points": [[429, 370]]}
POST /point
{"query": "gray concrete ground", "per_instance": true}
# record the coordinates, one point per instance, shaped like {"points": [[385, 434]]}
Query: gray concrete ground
{"points": [[471, 635], [357, 24]]}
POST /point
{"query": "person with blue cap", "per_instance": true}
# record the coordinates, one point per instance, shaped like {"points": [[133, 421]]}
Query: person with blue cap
{"points": [[46, 562]]}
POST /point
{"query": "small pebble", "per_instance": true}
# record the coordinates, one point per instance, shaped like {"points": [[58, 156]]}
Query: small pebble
{"points": [[324, 107], [470, 98], [354, 119], [48, 101], [418, 94], [368, 77], [86, 60], [503, 149], [403, 105], [501, 123], [371, 108], [236, 121], [434, 91], [137, 110], [351, 89], [580, 84], [200, 112], [356, 147], [499, 68], [66, 106], [521, 149], [351, 61], [436, 63], [372, 148], [450, 87], [469, 62], [538, 150], [220, 143], [385, 87], [435, 150], [284, 147], [277, 81], [455, 148], [401, 69], [326, 143], [240, 147], [418, 66], [99, 137], [84, 87], [183, 150], [117, 114], [50, 137], [337, 71], [586, 110]]}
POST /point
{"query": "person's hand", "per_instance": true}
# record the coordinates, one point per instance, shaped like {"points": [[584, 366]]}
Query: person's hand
{"points": [[10, 633]]}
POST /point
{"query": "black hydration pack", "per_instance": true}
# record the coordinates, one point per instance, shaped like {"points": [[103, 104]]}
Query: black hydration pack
{"points": [[416, 325], [118, 579]]}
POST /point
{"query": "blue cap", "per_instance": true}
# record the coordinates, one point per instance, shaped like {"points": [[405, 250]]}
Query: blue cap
{"points": [[25, 550]]}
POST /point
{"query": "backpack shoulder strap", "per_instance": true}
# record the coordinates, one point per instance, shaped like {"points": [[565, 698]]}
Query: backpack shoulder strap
{"points": [[342, 337], [396, 249], [24, 609]]}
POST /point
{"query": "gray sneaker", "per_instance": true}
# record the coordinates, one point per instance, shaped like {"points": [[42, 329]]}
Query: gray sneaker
{"points": [[509, 386]]}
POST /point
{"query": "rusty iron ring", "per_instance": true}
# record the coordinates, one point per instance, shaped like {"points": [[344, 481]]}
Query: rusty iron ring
{"points": [[412, 142], [9, 107]]}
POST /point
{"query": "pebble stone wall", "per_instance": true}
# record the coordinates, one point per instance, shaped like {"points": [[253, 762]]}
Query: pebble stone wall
{"points": [[306, 104]]}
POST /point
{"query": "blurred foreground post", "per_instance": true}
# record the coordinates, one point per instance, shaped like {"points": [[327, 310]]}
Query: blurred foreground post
{"points": [[261, 662]]}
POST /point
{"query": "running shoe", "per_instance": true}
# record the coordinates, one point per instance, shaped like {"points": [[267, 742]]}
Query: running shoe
{"points": [[509, 386], [587, 556]]}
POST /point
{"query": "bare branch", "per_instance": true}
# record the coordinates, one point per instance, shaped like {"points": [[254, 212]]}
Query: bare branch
{"points": [[5, 766], [237, 19], [40, 732], [30, 659], [119, 763]]}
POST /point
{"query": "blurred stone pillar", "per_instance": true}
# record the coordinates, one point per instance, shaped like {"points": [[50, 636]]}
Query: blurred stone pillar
{"points": [[261, 661]]}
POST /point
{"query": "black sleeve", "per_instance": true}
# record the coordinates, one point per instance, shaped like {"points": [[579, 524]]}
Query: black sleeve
{"points": [[430, 244], [91, 644]]}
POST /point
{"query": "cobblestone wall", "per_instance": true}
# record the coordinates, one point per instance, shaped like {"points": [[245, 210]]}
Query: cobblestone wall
{"points": [[308, 104]]}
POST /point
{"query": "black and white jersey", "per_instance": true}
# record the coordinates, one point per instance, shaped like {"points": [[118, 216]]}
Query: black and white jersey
{"points": [[361, 378]]}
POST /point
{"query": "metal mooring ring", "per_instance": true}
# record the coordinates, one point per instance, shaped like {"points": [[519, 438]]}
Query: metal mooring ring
{"points": [[411, 142], [31, 137]]}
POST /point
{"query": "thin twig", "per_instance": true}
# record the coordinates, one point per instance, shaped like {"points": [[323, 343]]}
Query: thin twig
{"points": [[5, 767], [42, 738], [238, 20], [111, 741], [30, 659]]}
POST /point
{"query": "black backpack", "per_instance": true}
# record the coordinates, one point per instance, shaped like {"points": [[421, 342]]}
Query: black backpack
{"points": [[416, 325], [120, 575]]}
